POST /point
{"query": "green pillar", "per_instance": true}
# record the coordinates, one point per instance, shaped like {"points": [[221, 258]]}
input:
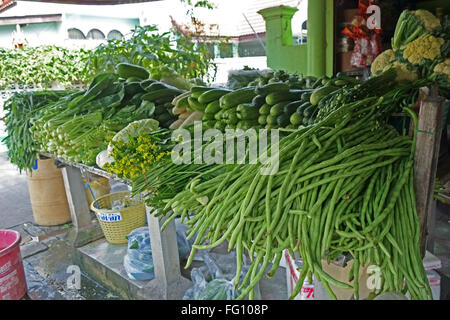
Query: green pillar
{"points": [[278, 33], [316, 38], [314, 58]]}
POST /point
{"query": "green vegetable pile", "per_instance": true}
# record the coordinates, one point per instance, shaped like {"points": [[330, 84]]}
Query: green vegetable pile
{"points": [[344, 185], [20, 109], [405, 93], [275, 104], [79, 126], [43, 66], [420, 50], [152, 49], [256, 78]]}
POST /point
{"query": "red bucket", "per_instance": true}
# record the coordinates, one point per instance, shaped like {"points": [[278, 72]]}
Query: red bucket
{"points": [[13, 285]]}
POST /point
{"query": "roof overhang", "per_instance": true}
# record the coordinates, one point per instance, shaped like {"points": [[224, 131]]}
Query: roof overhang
{"points": [[7, 4], [92, 2], [5, 21]]}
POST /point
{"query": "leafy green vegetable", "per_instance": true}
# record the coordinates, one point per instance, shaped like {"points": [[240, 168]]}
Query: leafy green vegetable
{"points": [[152, 49], [21, 108], [43, 66]]}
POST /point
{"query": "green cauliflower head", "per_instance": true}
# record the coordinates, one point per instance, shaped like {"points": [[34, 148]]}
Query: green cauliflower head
{"points": [[381, 61], [443, 68], [402, 71], [429, 20], [424, 47]]}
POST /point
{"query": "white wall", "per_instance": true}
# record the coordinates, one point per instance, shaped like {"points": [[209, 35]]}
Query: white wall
{"points": [[227, 64]]}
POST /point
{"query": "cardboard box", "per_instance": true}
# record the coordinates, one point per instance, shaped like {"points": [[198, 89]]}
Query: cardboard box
{"points": [[431, 262], [435, 283], [316, 291], [341, 274], [367, 278]]}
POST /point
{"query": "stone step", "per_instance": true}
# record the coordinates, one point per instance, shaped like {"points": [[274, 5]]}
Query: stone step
{"points": [[103, 262]]}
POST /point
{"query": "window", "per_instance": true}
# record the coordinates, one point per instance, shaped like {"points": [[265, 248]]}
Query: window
{"points": [[252, 49], [115, 35], [226, 50], [75, 34], [95, 34]]}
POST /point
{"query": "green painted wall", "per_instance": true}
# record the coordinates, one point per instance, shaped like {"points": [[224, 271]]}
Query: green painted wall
{"points": [[329, 37], [315, 57], [281, 53]]}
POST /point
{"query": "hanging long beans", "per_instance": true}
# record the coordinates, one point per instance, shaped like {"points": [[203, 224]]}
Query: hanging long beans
{"points": [[343, 186]]}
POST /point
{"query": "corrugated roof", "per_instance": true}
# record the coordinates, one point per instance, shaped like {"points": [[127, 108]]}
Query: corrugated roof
{"points": [[228, 19], [24, 8], [93, 2]]}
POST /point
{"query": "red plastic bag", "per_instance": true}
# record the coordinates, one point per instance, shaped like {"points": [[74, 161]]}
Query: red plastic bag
{"points": [[367, 41]]}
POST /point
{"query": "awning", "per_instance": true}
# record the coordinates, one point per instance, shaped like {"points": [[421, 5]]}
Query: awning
{"points": [[6, 4], [4, 21], [93, 2]]}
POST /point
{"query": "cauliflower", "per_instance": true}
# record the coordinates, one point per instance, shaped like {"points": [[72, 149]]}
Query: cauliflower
{"points": [[381, 61], [411, 25], [425, 47], [443, 68], [429, 20], [402, 71]]}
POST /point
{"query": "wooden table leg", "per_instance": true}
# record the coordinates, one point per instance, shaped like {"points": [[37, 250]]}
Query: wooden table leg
{"points": [[426, 160]]}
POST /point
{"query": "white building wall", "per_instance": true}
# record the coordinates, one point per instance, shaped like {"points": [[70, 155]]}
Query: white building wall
{"points": [[228, 64]]}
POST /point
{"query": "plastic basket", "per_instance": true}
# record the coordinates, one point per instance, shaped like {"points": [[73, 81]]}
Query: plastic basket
{"points": [[117, 224]]}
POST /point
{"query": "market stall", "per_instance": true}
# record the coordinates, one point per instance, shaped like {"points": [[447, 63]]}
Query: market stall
{"points": [[347, 171]]}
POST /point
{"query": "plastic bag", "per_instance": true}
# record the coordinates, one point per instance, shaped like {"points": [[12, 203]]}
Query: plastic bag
{"points": [[138, 261], [133, 129], [103, 158], [241, 78], [117, 205], [99, 186], [200, 284], [218, 288], [184, 246]]}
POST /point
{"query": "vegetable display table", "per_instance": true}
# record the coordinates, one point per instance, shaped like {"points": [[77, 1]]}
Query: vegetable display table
{"points": [[168, 282]]}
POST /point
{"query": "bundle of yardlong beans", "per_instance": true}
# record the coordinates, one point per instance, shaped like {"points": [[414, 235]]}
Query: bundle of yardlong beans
{"points": [[344, 185]]}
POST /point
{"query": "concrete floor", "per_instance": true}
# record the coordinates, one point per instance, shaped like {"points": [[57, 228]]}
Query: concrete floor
{"points": [[46, 261], [15, 206]]}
